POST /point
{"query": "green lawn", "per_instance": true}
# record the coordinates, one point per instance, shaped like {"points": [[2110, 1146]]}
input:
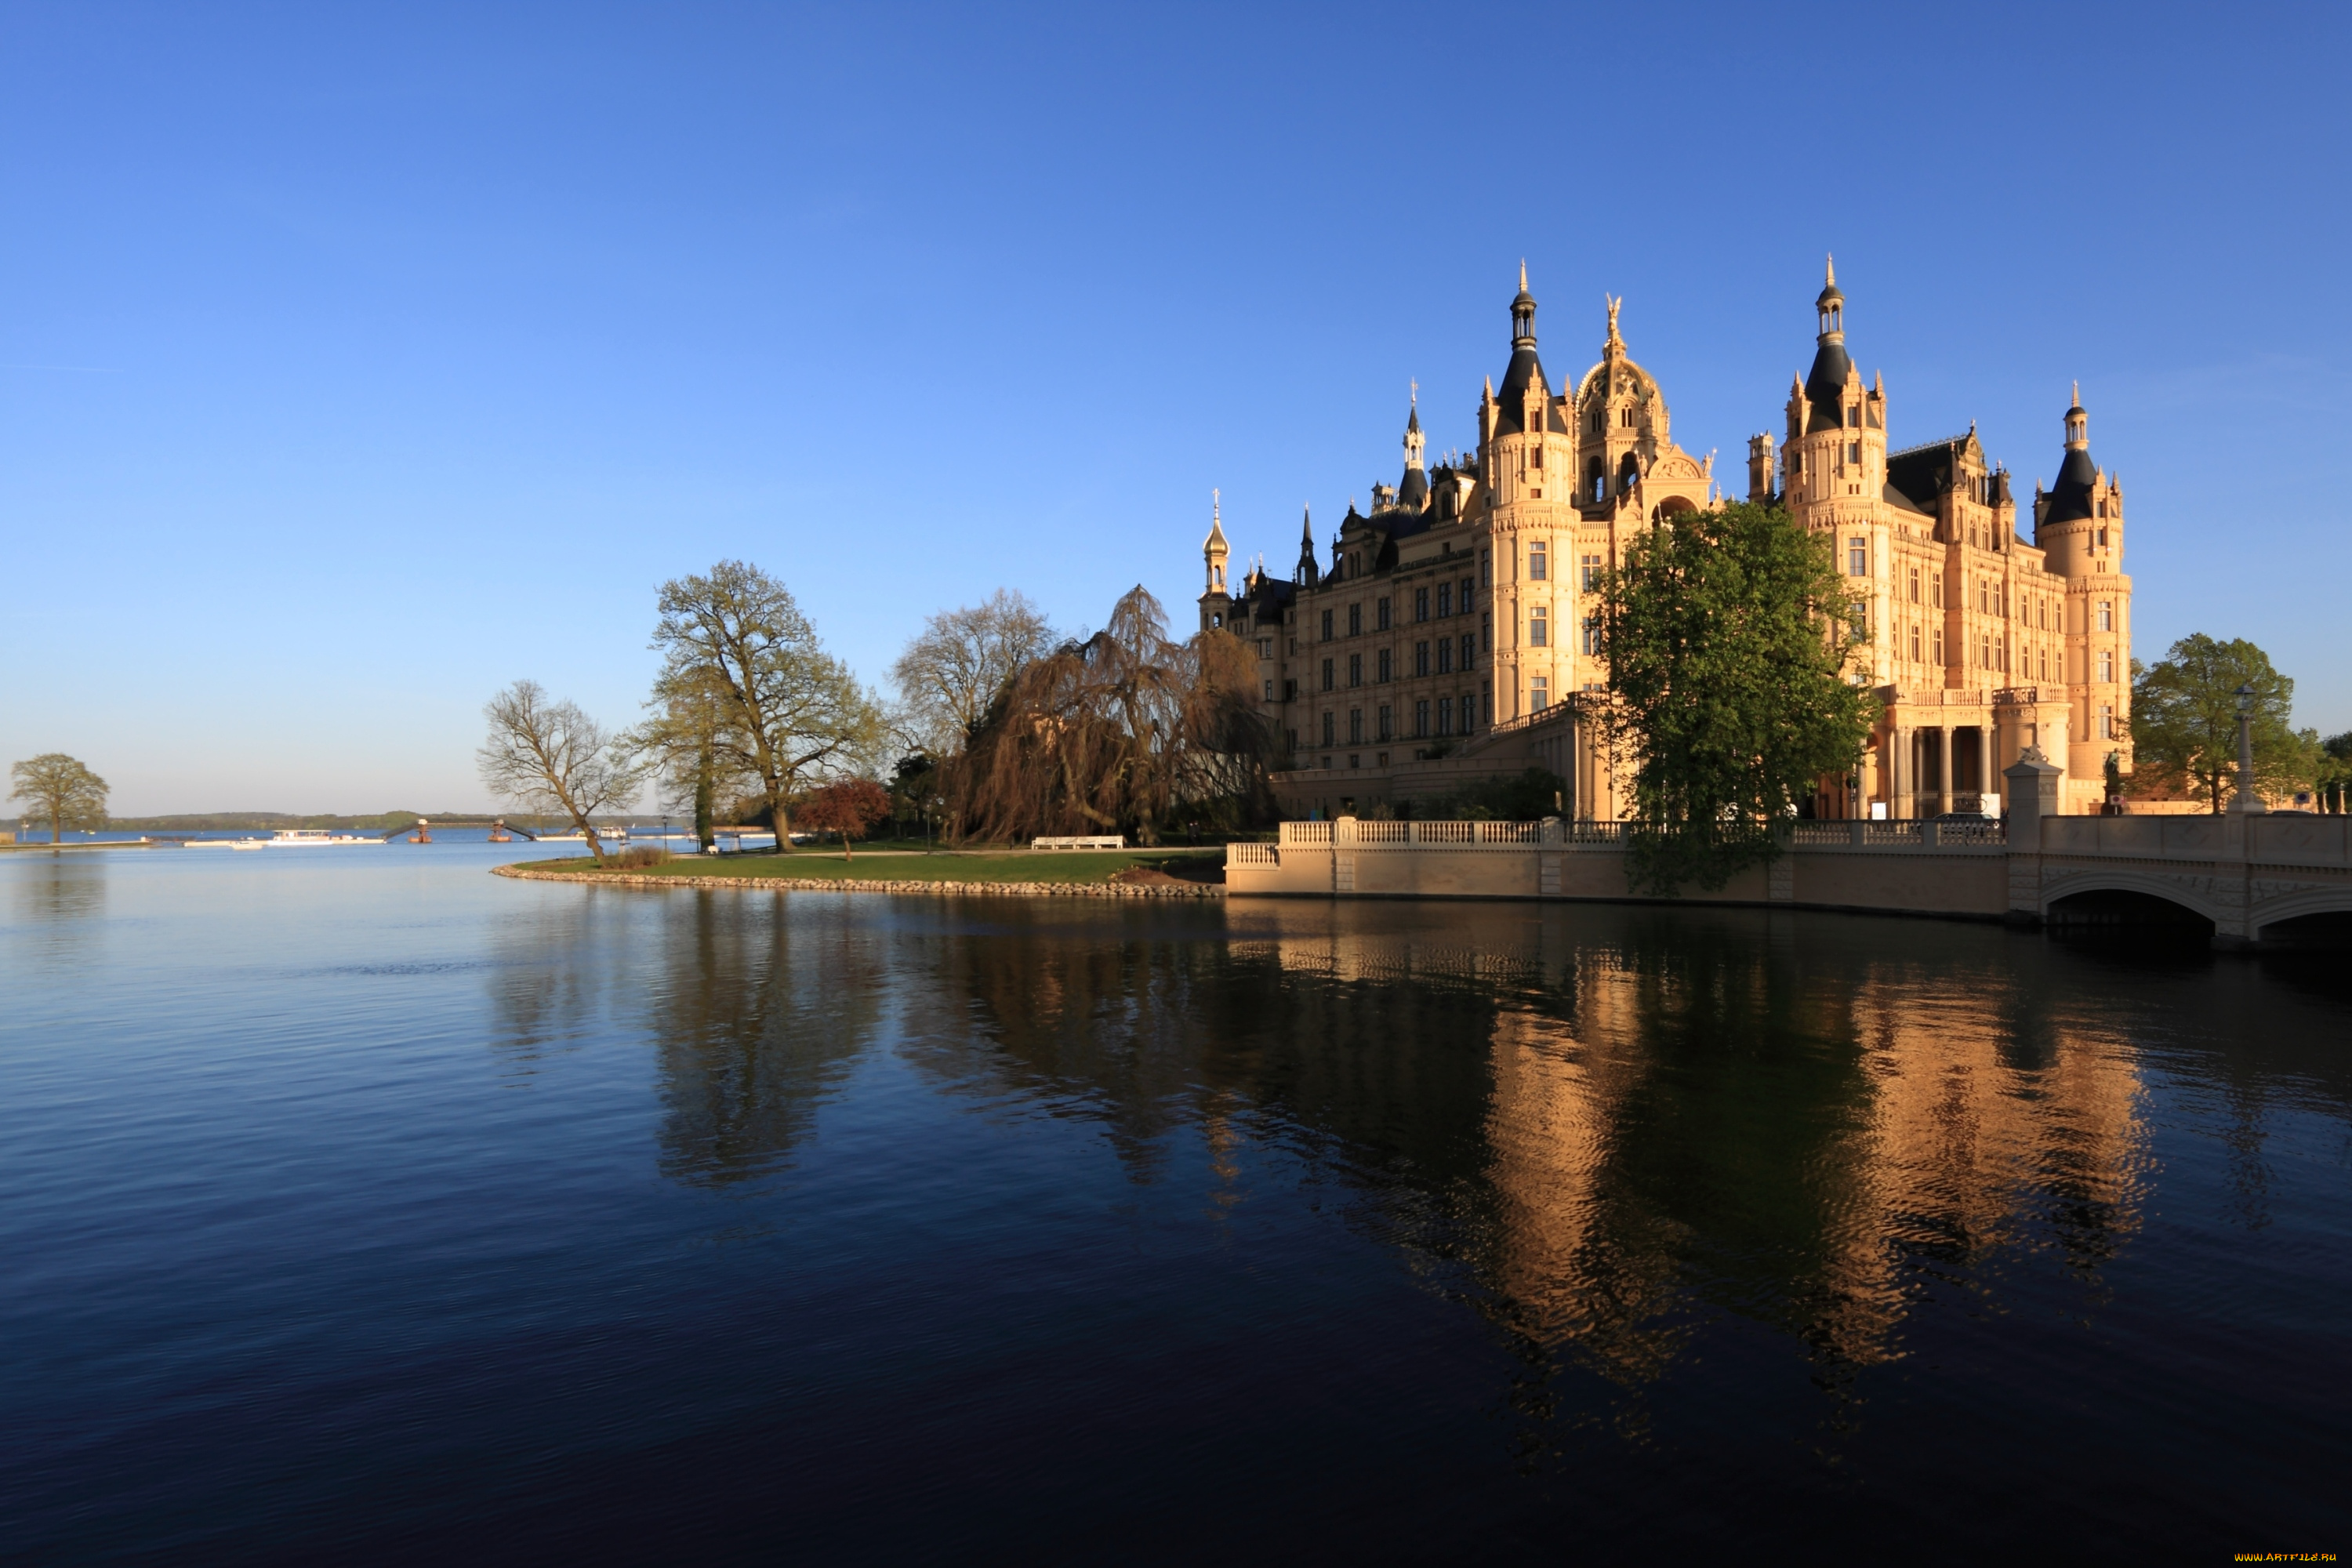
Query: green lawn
{"points": [[902, 865]]}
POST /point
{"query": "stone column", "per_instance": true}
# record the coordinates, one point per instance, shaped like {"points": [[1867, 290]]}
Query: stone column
{"points": [[1985, 775], [1943, 769], [1901, 787], [2032, 795]]}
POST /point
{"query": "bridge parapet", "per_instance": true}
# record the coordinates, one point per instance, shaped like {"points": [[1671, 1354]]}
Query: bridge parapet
{"points": [[2243, 874]]}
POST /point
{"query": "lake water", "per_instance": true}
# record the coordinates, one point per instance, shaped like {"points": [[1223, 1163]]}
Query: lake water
{"points": [[358, 1206]]}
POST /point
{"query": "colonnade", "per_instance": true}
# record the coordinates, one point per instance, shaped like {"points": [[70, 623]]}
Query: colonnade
{"points": [[1919, 749]]}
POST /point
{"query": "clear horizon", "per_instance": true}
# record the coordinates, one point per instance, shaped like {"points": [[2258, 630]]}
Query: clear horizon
{"points": [[358, 366]]}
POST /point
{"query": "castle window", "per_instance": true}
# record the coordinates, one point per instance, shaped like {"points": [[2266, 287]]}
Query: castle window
{"points": [[1327, 626], [1469, 592], [1446, 715], [1420, 659], [1538, 693], [2107, 664], [1269, 691], [2107, 614], [1535, 566], [1487, 631], [1380, 613], [1469, 651], [1445, 655], [1421, 604], [1936, 589], [1592, 634], [1914, 645], [1444, 600], [1265, 647], [2045, 664], [1853, 417], [1596, 483], [1421, 717], [1914, 584], [1382, 721], [1854, 452], [1857, 557], [2103, 539], [1326, 674], [1538, 627], [1355, 669], [1355, 620], [1330, 724], [1536, 461], [1355, 727], [1936, 643], [1380, 671], [2106, 720]]}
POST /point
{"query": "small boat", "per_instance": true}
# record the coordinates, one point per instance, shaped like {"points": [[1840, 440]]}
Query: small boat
{"points": [[249, 844], [303, 837]]}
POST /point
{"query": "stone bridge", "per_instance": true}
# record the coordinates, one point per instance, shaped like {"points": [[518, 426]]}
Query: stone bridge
{"points": [[2253, 878]]}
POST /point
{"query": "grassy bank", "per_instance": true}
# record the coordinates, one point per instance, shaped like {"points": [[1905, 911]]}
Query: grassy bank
{"points": [[959, 866]]}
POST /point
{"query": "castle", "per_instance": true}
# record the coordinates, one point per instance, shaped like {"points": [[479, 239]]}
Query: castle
{"points": [[1453, 635]]}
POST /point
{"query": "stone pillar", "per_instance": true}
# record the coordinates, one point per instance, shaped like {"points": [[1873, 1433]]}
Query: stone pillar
{"points": [[1985, 775], [1943, 769], [1903, 787], [2033, 797]]}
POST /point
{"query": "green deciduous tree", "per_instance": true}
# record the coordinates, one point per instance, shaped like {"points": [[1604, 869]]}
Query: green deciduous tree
{"points": [[2184, 722], [787, 713], [1728, 636], [549, 756], [62, 793]]}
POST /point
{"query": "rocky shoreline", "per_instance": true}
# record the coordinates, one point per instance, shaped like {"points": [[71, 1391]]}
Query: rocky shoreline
{"points": [[863, 885]]}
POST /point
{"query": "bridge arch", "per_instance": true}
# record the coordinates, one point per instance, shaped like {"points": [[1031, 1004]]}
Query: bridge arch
{"points": [[2306, 905], [2113, 897]]}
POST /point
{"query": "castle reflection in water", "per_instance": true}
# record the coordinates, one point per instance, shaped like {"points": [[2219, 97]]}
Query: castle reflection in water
{"points": [[1599, 1124]]}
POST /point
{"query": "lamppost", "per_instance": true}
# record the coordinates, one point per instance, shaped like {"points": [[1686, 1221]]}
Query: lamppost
{"points": [[2248, 802]]}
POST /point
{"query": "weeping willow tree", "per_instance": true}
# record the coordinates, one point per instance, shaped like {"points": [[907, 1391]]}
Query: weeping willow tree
{"points": [[1124, 732]]}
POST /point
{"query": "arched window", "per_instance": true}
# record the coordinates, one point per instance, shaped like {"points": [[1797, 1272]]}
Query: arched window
{"points": [[1628, 472], [1595, 483]]}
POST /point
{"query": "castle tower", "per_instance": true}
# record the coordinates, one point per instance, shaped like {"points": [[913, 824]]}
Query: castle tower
{"points": [[1760, 464], [1216, 603], [2079, 524], [1309, 573]]}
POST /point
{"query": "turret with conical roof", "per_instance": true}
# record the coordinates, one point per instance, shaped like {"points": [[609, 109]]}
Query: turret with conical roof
{"points": [[1825, 383], [1308, 573]]}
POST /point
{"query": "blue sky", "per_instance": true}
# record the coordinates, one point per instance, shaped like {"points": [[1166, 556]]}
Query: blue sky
{"points": [[356, 360]]}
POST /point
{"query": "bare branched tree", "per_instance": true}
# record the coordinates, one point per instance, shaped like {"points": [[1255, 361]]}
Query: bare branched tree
{"points": [[1124, 730], [62, 793], [549, 756], [955, 666], [789, 713]]}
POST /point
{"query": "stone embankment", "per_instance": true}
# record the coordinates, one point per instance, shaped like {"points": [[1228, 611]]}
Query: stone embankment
{"points": [[863, 885]]}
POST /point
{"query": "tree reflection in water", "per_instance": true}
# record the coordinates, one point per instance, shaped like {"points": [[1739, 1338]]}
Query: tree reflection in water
{"points": [[757, 1007]]}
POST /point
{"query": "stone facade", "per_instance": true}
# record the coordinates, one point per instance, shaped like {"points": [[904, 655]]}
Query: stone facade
{"points": [[1451, 634]]}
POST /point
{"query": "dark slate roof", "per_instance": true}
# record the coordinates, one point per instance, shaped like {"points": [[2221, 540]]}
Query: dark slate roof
{"points": [[1413, 490], [1925, 471], [1902, 502], [1825, 386], [2069, 498]]}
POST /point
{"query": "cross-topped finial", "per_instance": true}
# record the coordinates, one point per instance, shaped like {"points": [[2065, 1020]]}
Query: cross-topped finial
{"points": [[1216, 502], [1523, 274], [1829, 269], [1416, 392]]}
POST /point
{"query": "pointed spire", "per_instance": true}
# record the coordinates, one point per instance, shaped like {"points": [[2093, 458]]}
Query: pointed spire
{"points": [[1828, 270], [1523, 274]]}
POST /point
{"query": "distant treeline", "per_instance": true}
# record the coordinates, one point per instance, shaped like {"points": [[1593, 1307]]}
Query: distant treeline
{"points": [[222, 821]]}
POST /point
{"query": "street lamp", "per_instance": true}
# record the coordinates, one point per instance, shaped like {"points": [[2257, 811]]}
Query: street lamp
{"points": [[2248, 802]]}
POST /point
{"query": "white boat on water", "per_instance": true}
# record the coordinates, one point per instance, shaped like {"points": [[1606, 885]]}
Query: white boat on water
{"points": [[304, 837]]}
